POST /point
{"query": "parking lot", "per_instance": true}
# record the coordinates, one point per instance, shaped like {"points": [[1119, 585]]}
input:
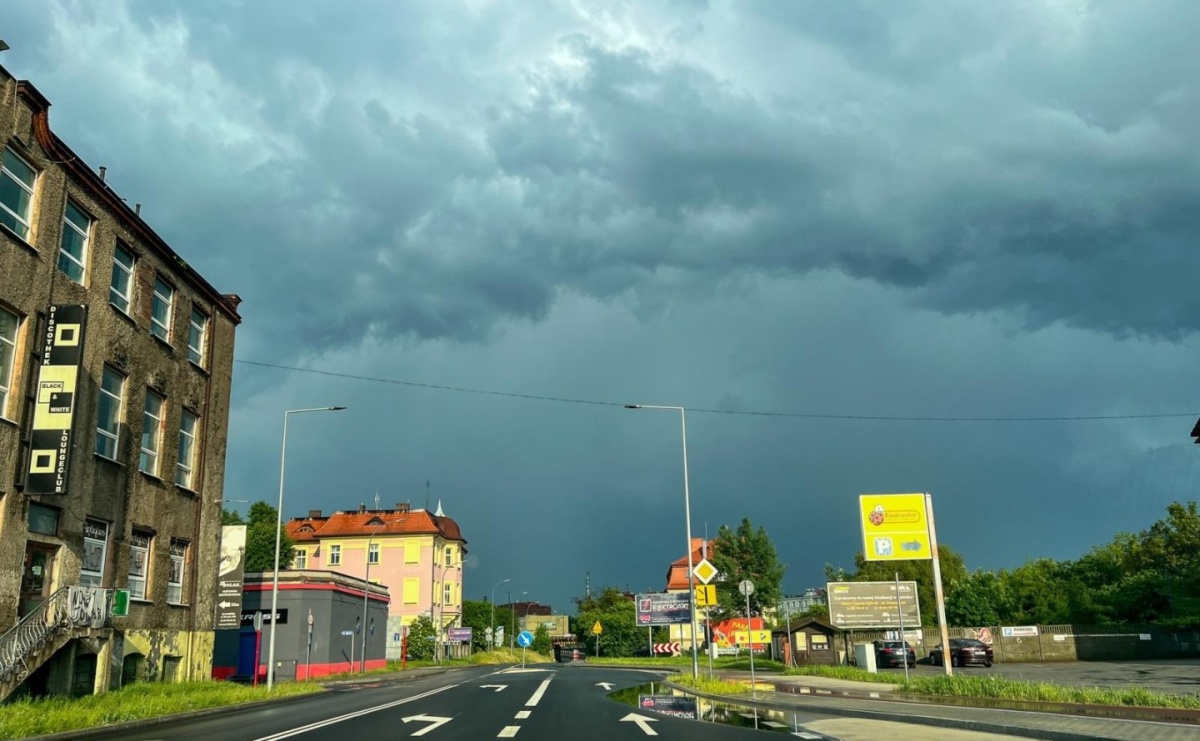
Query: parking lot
{"points": [[1180, 676]]}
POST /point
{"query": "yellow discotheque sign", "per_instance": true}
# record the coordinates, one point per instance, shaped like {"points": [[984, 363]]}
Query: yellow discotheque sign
{"points": [[894, 527]]}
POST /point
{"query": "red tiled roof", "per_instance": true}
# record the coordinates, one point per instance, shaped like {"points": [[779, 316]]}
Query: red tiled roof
{"points": [[677, 572], [352, 524]]}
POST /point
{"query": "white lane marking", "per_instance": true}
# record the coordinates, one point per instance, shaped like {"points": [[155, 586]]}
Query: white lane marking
{"points": [[348, 716], [496, 687], [606, 685], [772, 724], [805, 734], [508, 731], [523, 714], [433, 720], [643, 723], [537, 694]]}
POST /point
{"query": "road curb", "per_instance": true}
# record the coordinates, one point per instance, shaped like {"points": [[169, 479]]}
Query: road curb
{"points": [[953, 723], [131, 725]]}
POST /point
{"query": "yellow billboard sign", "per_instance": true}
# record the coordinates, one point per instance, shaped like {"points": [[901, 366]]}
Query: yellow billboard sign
{"points": [[894, 527], [744, 637]]}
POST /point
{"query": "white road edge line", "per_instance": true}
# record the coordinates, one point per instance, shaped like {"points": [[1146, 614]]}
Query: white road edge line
{"points": [[537, 694], [348, 716], [508, 731], [522, 714]]}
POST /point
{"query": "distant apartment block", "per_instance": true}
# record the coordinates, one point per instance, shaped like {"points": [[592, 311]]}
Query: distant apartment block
{"points": [[417, 554]]}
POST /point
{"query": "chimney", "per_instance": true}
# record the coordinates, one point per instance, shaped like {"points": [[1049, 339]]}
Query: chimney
{"points": [[103, 170], [314, 514], [137, 209], [402, 506], [362, 508]]}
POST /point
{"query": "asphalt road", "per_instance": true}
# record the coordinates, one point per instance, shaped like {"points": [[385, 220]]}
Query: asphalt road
{"points": [[1176, 676], [545, 702]]}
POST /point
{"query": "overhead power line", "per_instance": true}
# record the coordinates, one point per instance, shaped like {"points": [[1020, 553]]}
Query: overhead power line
{"points": [[699, 410]]}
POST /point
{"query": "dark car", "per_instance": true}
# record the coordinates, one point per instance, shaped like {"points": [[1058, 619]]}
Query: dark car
{"points": [[894, 653], [963, 652]]}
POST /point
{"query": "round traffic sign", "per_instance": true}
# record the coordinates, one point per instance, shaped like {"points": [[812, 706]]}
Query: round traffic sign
{"points": [[746, 587], [524, 639]]}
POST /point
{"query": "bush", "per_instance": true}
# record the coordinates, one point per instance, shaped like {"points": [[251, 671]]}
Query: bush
{"points": [[420, 639]]}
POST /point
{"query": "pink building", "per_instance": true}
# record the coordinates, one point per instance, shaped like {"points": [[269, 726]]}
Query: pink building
{"points": [[416, 554]]}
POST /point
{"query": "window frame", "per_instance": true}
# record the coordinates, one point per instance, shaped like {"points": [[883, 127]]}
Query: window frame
{"points": [[188, 468], [27, 220], [128, 270], [169, 301], [373, 554], [335, 555], [301, 559], [8, 363], [101, 432], [178, 554], [155, 453], [93, 545], [196, 352], [447, 593], [85, 235], [139, 542], [47, 512]]}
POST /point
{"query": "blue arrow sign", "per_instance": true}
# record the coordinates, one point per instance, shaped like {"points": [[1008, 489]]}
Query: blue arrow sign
{"points": [[524, 639]]}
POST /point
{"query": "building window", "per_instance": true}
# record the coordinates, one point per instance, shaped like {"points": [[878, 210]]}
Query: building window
{"points": [[95, 547], [412, 551], [139, 563], [373, 553], [120, 288], [179, 550], [160, 311], [412, 590], [72, 254], [197, 332], [449, 554], [447, 593], [301, 558], [43, 520], [335, 555], [152, 420], [8, 352], [187, 449], [108, 423], [16, 192]]}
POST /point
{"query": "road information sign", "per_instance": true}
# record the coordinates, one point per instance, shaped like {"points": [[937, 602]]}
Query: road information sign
{"points": [[704, 571], [894, 527], [663, 608], [597, 629], [872, 604], [525, 638], [706, 595]]}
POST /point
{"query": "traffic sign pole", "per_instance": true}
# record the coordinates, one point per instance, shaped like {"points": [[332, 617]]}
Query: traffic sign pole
{"points": [[937, 588], [747, 588], [903, 642]]}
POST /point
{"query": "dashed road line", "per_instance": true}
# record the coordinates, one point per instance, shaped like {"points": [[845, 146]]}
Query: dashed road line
{"points": [[508, 731], [537, 694], [522, 714]]}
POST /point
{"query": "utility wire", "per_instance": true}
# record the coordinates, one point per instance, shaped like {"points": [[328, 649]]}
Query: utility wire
{"points": [[795, 415]]}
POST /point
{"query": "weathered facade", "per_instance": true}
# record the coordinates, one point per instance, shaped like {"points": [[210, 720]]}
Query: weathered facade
{"points": [[142, 486]]}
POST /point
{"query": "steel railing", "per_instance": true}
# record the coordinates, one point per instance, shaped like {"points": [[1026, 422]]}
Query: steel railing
{"points": [[65, 610]]}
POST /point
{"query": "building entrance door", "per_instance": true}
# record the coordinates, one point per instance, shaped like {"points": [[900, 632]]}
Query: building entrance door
{"points": [[37, 577]]}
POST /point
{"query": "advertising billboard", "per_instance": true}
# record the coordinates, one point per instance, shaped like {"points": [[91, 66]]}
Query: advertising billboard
{"points": [[230, 571], [663, 608], [61, 352], [894, 527], [873, 604]]}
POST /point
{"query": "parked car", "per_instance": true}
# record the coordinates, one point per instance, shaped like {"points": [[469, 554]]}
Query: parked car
{"points": [[894, 653], [963, 652]]}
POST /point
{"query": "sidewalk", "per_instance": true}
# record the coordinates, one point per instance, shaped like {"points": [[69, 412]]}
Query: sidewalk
{"points": [[869, 701]]}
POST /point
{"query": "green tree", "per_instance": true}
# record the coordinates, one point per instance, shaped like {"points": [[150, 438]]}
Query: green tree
{"points": [[420, 639], [952, 566], [746, 553], [541, 640], [1037, 592], [260, 540], [475, 615], [614, 610], [231, 517], [974, 601]]}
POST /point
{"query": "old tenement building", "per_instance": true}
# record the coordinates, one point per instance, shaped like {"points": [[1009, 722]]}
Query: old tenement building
{"points": [[115, 366]]}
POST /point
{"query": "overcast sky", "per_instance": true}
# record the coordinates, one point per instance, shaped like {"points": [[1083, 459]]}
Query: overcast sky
{"points": [[914, 209]]}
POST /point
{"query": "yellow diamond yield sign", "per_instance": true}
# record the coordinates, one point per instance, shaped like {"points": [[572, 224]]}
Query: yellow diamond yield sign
{"points": [[705, 571]]}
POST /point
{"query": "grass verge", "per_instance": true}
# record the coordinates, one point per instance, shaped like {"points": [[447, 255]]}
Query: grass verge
{"points": [[1000, 688], [508, 656], [844, 672], [711, 686], [723, 662], [136, 702]]}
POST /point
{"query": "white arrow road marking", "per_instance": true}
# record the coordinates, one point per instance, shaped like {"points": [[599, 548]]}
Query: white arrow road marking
{"points": [[536, 697], [330, 721], [643, 723], [498, 687], [605, 685], [433, 720]]}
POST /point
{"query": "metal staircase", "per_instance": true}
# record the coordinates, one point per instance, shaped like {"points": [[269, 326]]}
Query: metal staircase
{"points": [[49, 627]]}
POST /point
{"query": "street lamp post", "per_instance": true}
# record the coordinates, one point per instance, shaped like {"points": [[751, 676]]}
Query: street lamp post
{"points": [[278, 535], [366, 595], [687, 514], [512, 614], [492, 627]]}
